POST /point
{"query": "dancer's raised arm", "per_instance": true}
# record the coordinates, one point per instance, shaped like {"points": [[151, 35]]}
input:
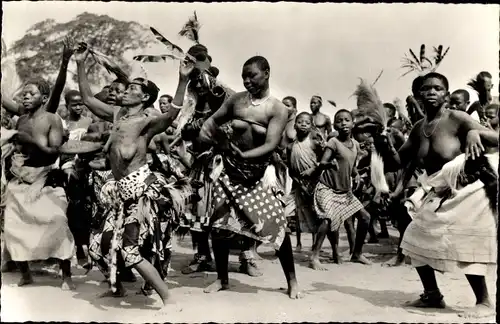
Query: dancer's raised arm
{"points": [[99, 108], [55, 95], [161, 123]]}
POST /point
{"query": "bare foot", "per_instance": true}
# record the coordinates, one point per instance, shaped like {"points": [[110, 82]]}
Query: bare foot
{"points": [[427, 302], [168, 308], [293, 290], [250, 269], [360, 259], [118, 294], [479, 311], [146, 292], [337, 259], [316, 265], [396, 261], [68, 284], [25, 280], [216, 286]]}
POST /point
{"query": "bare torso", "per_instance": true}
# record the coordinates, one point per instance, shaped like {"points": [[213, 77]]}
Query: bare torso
{"points": [[38, 126], [128, 144], [441, 143], [322, 123], [250, 122]]}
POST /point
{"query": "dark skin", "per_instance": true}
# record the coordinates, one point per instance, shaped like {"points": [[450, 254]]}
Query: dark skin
{"points": [[39, 139], [343, 124], [290, 133], [303, 126], [52, 103], [252, 141], [127, 146], [458, 102], [434, 141], [323, 122]]}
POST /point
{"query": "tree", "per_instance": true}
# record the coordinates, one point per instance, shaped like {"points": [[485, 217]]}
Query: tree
{"points": [[38, 53]]}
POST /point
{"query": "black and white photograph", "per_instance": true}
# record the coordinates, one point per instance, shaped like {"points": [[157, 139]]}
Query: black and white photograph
{"points": [[239, 162]]}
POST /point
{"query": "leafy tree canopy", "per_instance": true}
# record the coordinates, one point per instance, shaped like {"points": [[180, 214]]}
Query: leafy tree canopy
{"points": [[39, 52]]}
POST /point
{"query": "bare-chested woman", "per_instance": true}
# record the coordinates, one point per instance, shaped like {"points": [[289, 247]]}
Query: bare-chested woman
{"points": [[36, 227], [322, 122], [29, 229], [134, 184], [242, 203], [454, 226]]}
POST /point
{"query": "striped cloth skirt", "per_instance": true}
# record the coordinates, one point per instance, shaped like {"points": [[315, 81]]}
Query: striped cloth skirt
{"points": [[334, 206]]}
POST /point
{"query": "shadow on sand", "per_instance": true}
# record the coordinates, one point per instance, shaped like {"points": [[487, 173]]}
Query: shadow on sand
{"points": [[383, 298]]}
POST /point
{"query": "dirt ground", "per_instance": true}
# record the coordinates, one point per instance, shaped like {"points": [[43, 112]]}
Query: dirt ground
{"points": [[348, 292]]}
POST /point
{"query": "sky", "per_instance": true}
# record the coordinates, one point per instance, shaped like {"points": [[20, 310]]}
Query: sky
{"points": [[312, 48]]}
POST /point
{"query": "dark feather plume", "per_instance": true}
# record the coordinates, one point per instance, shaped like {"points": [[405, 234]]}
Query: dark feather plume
{"points": [[191, 29], [414, 56], [422, 53]]}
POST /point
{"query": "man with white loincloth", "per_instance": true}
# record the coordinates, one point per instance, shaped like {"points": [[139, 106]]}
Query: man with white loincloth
{"points": [[36, 227], [454, 224]]}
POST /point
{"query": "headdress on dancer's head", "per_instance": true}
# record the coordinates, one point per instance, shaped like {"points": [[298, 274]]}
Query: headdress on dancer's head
{"points": [[422, 64], [318, 97], [373, 119]]}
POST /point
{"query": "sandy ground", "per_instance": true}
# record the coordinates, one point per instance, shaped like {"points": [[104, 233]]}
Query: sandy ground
{"points": [[347, 292]]}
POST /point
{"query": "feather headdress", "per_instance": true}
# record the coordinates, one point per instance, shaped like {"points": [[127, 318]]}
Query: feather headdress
{"points": [[422, 64], [402, 111], [174, 51], [331, 102], [369, 104], [106, 62], [373, 113], [191, 29]]}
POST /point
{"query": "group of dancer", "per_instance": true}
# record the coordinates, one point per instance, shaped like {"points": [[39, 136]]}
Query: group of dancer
{"points": [[248, 168]]}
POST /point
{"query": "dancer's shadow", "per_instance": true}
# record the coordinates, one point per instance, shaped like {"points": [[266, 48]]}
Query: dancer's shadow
{"points": [[91, 287], [381, 298]]}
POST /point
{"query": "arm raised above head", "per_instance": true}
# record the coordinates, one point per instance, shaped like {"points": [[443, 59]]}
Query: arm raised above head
{"points": [[55, 95], [275, 127], [162, 123], [12, 107], [99, 108]]}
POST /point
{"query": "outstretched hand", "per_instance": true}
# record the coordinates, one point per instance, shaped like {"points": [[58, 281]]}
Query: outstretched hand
{"points": [[81, 53], [473, 146], [69, 48], [236, 151], [185, 68]]}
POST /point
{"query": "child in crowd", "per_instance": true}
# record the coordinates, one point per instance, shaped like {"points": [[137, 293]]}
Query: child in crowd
{"points": [[303, 158]]}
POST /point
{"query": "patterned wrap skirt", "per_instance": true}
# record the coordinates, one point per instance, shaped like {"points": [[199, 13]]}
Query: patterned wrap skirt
{"points": [[241, 203], [334, 206], [138, 223], [197, 218]]}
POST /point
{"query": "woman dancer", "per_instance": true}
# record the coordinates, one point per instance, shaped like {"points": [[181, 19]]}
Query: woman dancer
{"points": [[243, 203]]}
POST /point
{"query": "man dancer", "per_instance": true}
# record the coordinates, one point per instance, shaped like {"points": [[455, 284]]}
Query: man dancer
{"points": [[454, 225], [137, 191], [322, 122]]}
